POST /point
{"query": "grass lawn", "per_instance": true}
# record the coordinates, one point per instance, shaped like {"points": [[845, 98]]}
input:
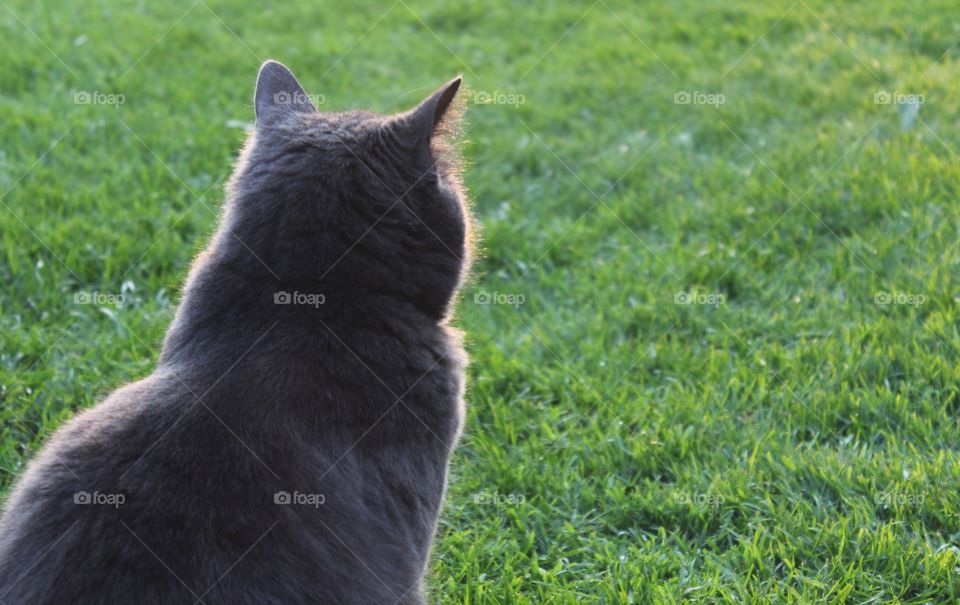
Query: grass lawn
{"points": [[714, 326]]}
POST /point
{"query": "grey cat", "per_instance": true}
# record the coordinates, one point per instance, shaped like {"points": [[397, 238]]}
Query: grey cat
{"points": [[292, 444]]}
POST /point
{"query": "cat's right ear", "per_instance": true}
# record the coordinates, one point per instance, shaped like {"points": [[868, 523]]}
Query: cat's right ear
{"points": [[278, 94], [437, 114]]}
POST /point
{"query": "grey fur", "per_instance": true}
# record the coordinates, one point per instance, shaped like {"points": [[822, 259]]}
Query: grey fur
{"points": [[348, 397]]}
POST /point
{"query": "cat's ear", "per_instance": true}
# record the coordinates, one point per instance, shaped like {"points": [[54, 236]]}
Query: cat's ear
{"points": [[436, 113], [278, 94]]}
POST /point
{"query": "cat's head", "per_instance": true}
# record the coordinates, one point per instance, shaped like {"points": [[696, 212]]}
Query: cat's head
{"points": [[353, 202]]}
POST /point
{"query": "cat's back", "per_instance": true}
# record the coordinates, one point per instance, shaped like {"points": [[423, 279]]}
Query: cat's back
{"points": [[65, 510], [151, 497], [172, 480]]}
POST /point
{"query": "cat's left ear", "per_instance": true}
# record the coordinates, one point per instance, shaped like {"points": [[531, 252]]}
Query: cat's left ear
{"points": [[278, 94], [435, 114]]}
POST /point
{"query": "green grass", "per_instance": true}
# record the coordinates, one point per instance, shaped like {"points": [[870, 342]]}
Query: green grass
{"points": [[793, 442]]}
